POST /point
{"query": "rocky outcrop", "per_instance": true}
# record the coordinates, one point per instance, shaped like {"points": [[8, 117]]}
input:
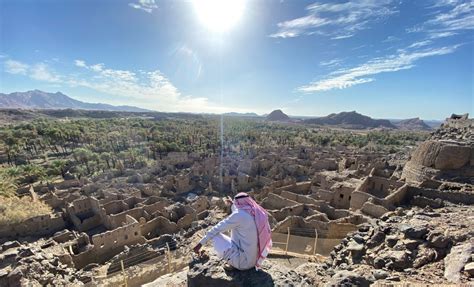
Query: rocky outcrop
{"points": [[413, 124], [351, 120], [419, 239], [277, 116], [447, 154], [210, 273]]}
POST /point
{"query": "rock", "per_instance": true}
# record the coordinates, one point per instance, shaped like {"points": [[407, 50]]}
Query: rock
{"points": [[456, 260], [10, 244], [391, 240], [25, 252], [393, 278], [438, 240], [356, 249], [376, 239], [397, 260], [358, 238], [15, 276], [425, 256], [380, 274], [469, 268], [413, 232], [211, 273], [348, 278], [379, 263], [411, 244]]}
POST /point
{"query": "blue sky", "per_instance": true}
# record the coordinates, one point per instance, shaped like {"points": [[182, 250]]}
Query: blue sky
{"points": [[383, 58]]}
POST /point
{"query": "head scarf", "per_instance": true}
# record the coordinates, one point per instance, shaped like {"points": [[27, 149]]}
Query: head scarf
{"points": [[245, 202]]}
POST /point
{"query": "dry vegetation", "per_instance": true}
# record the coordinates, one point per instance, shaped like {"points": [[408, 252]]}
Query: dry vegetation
{"points": [[15, 210]]}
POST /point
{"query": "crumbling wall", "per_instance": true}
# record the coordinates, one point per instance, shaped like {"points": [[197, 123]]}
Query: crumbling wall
{"points": [[106, 245], [85, 213], [158, 226], [37, 226], [299, 198], [273, 201], [373, 210]]}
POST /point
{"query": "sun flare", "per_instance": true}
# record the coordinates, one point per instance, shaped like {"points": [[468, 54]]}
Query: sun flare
{"points": [[219, 15]]}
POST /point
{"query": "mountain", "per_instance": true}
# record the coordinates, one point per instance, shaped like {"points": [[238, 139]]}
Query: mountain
{"points": [[42, 100], [234, 114], [277, 116], [352, 120], [412, 124]]}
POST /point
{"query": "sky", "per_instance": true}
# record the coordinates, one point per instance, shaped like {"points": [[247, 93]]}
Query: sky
{"points": [[382, 58]]}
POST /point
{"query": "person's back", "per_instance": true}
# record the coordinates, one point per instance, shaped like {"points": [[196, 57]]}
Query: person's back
{"points": [[245, 236], [250, 240]]}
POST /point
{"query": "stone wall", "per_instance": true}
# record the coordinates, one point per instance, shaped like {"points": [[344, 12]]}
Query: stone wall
{"points": [[37, 226]]}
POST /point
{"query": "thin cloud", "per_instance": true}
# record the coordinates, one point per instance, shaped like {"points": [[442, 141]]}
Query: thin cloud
{"points": [[420, 44], [331, 63], [450, 17], [15, 67], [38, 71], [42, 72], [144, 5], [338, 20], [80, 63], [345, 78]]}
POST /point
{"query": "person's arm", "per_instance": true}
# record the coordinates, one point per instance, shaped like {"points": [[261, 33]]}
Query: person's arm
{"points": [[228, 223]]}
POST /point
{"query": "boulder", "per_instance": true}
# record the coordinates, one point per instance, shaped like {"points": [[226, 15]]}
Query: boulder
{"points": [[425, 256], [10, 244], [413, 232], [396, 260], [469, 268], [455, 261], [210, 273], [452, 157]]}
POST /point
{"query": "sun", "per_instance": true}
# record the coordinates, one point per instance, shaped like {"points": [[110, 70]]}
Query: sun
{"points": [[219, 15]]}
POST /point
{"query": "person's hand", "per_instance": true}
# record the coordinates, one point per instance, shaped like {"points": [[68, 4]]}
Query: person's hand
{"points": [[197, 248]]}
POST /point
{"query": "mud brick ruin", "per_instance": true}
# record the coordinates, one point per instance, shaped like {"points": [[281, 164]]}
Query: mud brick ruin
{"points": [[340, 193]]}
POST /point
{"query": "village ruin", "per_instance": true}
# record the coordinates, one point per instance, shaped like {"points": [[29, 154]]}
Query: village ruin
{"points": [[137, 215]]}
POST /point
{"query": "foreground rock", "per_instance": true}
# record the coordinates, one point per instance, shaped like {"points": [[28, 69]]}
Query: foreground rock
{"points": [[211, 273], [417, 245]]}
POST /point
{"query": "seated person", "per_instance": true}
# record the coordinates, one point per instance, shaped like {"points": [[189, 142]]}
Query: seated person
{"points": [[250, 235]]}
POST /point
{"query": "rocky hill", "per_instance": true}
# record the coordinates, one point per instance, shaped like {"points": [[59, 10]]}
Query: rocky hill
{"points": [[412, 124], [351, 120], [37, 99], [277, 116]]}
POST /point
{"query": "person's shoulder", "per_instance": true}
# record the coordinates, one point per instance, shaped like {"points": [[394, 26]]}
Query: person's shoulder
{"points": [[243, 213]]}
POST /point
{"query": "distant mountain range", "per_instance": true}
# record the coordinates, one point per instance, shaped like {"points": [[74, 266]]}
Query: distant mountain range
{"points": [[352, 120], [42, 100], [234, 114], [39, 100]]}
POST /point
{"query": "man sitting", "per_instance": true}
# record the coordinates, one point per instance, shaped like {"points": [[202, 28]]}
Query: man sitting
{"points": [[250, 236]]}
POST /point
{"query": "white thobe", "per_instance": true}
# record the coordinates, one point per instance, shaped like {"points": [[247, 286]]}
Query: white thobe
{"points": [[241, 249]]}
